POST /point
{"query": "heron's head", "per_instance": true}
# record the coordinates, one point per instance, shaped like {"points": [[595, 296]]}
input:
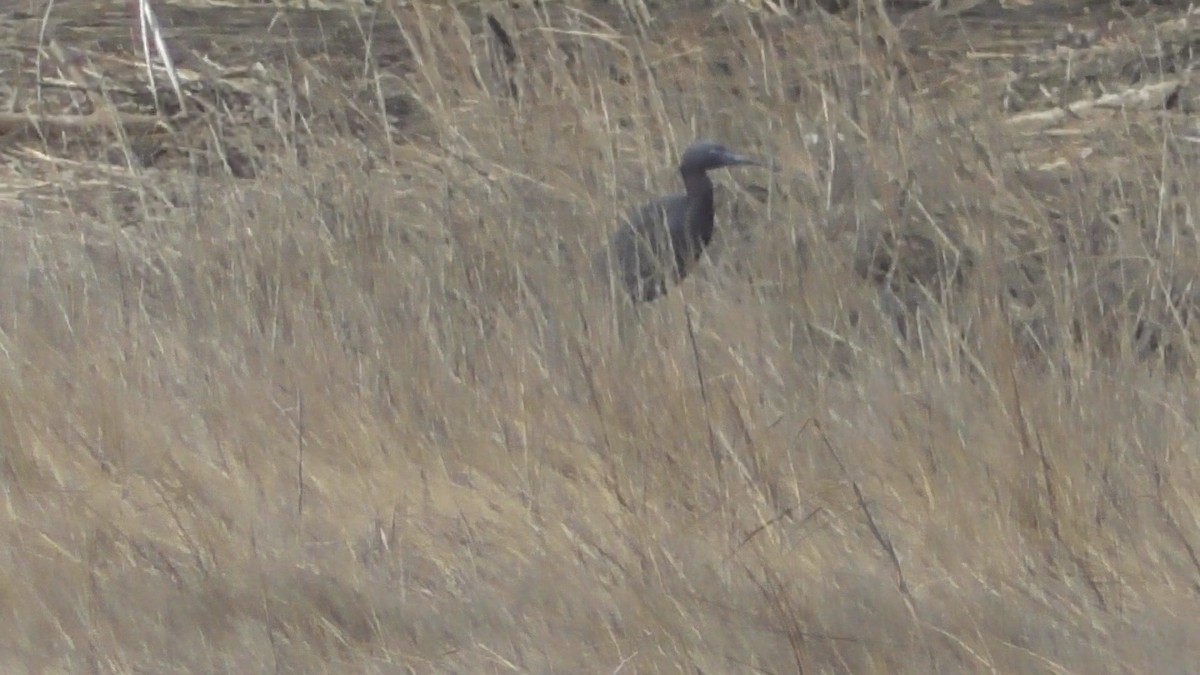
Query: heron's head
{"points": [[704, 155]]}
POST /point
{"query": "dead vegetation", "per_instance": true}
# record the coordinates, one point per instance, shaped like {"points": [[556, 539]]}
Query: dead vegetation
{"points": [[304, 374]]}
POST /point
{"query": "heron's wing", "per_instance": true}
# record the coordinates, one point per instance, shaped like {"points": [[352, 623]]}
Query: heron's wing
{"points": [[639, 252], [649, 235], [673, 245], [658, 223], [686, 241]]}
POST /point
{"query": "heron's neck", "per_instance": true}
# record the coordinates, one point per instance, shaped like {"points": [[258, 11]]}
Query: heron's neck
{"points": [[698, 185], [699, 204]]}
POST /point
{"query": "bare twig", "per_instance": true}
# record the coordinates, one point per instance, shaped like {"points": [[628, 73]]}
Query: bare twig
{"points": [[15, 122], [712, 437], [299, 453]]}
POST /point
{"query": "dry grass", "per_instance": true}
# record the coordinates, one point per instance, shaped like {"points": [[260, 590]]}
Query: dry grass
{"points": [[364, 413]]}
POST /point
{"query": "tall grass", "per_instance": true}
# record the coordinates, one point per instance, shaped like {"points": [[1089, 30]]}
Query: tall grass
{"points": [[365, 412]]}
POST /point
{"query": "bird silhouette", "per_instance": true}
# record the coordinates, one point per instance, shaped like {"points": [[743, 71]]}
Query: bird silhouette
{"points": [[658, 244]]}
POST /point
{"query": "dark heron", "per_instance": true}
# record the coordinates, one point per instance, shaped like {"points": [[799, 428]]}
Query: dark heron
{"points": [[661, 242]]}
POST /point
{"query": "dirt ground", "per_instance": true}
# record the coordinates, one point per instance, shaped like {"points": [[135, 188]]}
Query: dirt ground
{"points": [[302, 368]]}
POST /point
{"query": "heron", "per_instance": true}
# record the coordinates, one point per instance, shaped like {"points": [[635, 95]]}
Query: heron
{"points": [[660, 243]]}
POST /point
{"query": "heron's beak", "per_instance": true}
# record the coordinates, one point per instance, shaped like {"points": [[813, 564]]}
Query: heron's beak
{"points": [[734, 159]]}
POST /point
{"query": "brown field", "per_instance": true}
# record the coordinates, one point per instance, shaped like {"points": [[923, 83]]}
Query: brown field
{"points": [[312, 377]]}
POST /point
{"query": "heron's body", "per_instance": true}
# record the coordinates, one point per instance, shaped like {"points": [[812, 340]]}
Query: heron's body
{"points": [[658, 244]]}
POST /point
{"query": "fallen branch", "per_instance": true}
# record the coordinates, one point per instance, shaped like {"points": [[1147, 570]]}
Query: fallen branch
{"points": [[24, 122], [1148, 97]]}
